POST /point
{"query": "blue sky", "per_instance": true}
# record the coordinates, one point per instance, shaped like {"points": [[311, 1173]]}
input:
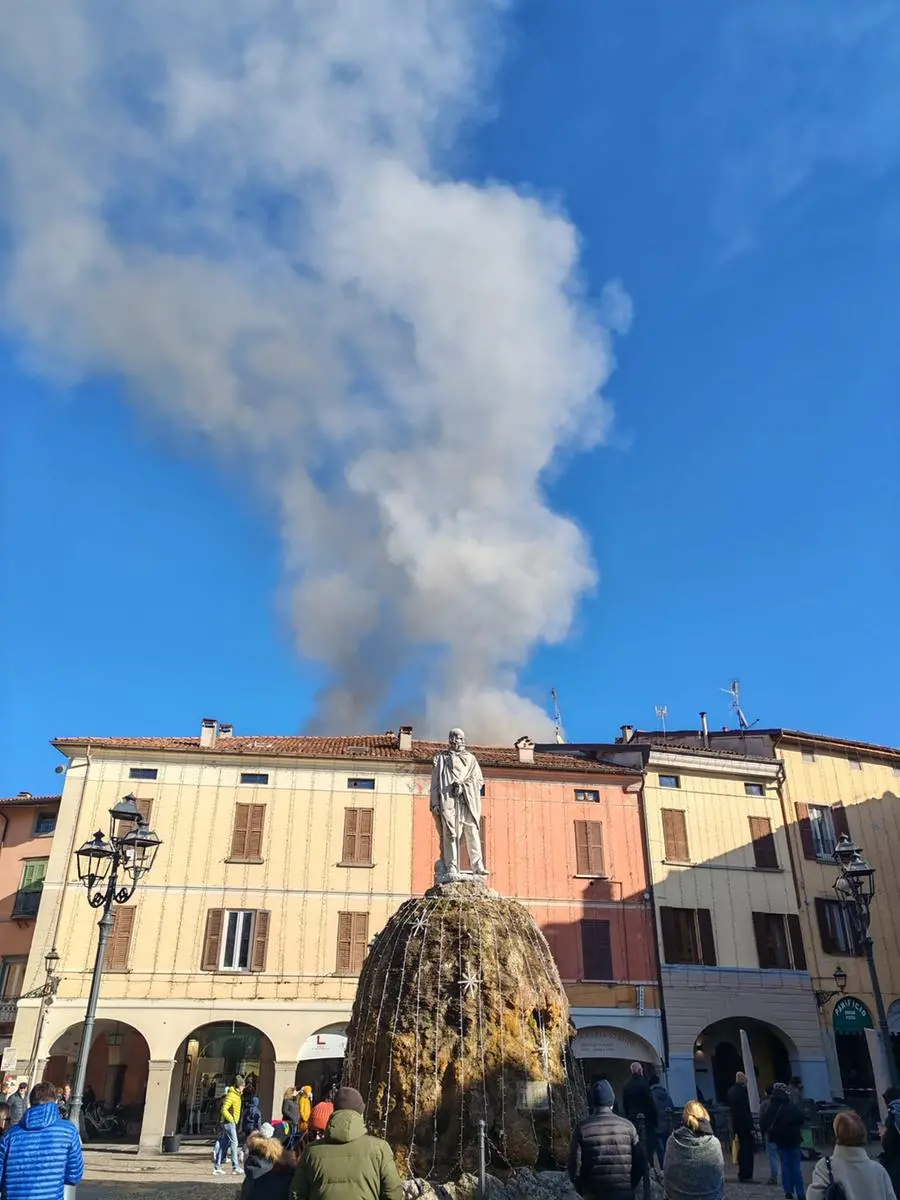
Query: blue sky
{"points": [[739, 174]]}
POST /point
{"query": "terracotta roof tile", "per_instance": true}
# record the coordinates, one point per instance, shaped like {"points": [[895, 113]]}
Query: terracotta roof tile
{"points": [[359, 748], [24, 801]]}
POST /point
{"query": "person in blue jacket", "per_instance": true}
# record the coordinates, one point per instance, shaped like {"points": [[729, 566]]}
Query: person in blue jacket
{"points": [[42, 1153]]}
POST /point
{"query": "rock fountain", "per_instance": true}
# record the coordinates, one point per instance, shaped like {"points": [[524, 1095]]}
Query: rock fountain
{"points": [[460, 1016]]}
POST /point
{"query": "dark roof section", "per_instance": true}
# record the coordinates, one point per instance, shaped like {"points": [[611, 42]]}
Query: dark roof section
{"points": [[755, 736], [356, 749], [25, 799]]}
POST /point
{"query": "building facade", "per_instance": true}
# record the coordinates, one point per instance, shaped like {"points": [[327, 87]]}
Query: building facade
{"points": [[27, 826]]}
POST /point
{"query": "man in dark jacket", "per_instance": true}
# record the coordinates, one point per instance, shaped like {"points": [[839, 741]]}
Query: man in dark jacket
{"points": [[18, 1104], [606, 1161], [662, 1106], [349, 1164], [638, 1101], [742, 1125], [42, 1154], [268, 1168], [783, 1123]]}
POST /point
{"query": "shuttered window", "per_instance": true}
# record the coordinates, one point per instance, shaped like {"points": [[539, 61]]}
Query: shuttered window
{"points": [[357, 847], [835, 928], [675, 837], [779, 941], [596, 950], [589, 848], [352, 942], [119, 944], [33, 874], [235, 939], [764, 853], [465, 863], [687, 936], [247, 834]]}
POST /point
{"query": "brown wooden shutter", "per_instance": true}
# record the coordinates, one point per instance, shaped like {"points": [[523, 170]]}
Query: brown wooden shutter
{"points": [[260, 939], [763, 941], [707, 938], [764, 853], [829, 945], [247, 834], [582, 848], [364, 836], [120, 939], [795, 934], [255, 830], [596, 950], [212, 939], [239, 832], [348, 852], [360, 942], [669, 924], [344, 943], [675, 835], [806, 834], [145, 808], [839, 817]]}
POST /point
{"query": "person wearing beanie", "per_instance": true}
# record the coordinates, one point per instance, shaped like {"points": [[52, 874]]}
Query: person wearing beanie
{"points": [[606, 1161], [694, 1167], [304, 1106], [269, 1166], [318, 1121], [348, 1163]]}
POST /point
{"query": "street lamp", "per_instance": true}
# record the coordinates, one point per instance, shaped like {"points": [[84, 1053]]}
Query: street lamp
{"points": [[840, 986], [855, 887], [45, 992], [110, 870]]}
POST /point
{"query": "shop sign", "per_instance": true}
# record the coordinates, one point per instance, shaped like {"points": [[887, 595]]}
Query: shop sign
{"points": [[323, 1045], [609, 1043], [851, 1016]]}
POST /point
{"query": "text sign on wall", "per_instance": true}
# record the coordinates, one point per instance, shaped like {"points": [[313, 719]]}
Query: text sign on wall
{"points": [[851, 1016], [608, 1043]]}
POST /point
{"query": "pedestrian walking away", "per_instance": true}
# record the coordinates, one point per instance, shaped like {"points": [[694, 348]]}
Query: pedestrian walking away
{"points": [[782, 1124], [41, 1155], [663, 1105], [695, 1165], [637, 1101], [742, 1125], [606, 1160], [251, 1118], [269, 1166], [771, 1148], [230, 1116], [349, 1163], [860, 1176]]}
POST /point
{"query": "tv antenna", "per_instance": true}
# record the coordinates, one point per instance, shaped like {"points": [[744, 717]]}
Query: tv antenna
{"points": [[662, 711], [734, 691], [557, 717]]}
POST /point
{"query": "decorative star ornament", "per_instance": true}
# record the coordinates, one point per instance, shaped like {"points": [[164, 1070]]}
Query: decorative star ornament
{"points": [[470, 983], [420, 925]]}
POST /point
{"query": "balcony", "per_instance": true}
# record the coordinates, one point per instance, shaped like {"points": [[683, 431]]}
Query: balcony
{"points": [[8, 1006], [26, 904]]}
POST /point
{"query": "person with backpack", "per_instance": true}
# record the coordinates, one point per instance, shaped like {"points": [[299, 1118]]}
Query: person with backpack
{"points": [[783, 1124], [662, 1103], [849, 1173], [771, 1148], [252, 1116]]}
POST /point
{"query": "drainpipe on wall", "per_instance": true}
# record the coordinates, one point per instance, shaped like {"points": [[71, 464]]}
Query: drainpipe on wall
{"points": [[645, 828]]}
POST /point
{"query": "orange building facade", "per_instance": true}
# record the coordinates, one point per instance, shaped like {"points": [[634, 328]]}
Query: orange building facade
{"points": [[564, 837]]}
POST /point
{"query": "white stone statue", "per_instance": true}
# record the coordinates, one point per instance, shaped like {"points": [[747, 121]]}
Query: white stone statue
{"points": [[456, 782]]}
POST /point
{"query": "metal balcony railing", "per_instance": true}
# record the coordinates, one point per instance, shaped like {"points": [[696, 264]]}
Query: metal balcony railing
{"points": [[27, 902], [8, 1006]]}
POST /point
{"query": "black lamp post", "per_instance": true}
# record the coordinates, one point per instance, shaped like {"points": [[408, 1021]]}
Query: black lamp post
{"points": [[45, 992], [855, 887], [110, 871], [840, 986]]}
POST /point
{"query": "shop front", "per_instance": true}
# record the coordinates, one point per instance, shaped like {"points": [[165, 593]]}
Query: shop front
{"points": [[850, 1020], [322, 1059], [607, 1052]]}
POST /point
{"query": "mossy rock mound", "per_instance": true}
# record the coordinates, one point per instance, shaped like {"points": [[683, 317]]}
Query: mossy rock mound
{"points": [[460, 1017]]}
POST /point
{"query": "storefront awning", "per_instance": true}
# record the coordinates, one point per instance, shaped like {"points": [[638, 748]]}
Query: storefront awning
{"points": [[602, 1041], [323, 1045], [851, 1016]]}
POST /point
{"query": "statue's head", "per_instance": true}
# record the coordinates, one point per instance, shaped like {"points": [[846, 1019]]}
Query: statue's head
{"points": [[457, 739]]}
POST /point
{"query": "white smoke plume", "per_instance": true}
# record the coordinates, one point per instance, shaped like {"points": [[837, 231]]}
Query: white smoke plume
{"points": [[239, 209]]}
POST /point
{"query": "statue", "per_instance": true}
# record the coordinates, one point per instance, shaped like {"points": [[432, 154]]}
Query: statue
{"points": [[456, 783]]}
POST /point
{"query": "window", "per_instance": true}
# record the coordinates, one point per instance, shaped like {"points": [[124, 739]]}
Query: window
{"points": [[754, 789], [808, 756], [764, 853], [855, 763], [596, 950], [258, 777], [779, 941], [144, 807], [352, 942], [671, 781], [589, 848], [587, 795], [12, 977], [119, 939], [142, 773], [247, 833], [687, 936], [235, 940], [835, 928], [820, 828], [675, 837], [362, 783], [357, 848], [45, 824], [28, 897], [465, 863]]}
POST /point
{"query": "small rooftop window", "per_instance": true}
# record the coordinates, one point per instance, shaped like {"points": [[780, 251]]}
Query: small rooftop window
{"points": [[254, 777], [670, 781], [143, 773], [363, 783]]}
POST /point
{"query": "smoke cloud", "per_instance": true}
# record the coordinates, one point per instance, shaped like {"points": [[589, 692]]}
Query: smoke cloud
{"points": [[240, 209]]}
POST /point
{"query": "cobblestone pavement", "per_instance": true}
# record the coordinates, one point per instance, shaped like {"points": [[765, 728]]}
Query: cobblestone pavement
{"points": [[188, 1176]]}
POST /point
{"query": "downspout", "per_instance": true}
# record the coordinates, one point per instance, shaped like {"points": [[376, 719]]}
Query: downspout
{"points": [[645, 830]]}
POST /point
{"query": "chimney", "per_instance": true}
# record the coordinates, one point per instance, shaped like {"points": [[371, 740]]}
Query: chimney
{"points": [[627, 733], [704, 729], [207, 733], [525, 747], [404, 738], [226, 731]]}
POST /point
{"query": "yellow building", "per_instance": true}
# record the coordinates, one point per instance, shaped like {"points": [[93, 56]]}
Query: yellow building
{"points": [[280, 858], [836, 786]]}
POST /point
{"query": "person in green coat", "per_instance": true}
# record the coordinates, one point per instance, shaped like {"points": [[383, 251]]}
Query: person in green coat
{"points": [[349, 1164]]}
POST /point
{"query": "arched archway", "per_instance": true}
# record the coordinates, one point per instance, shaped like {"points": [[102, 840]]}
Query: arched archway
{"points": [[606, 1052], [206, 1062], [321, 1059], [718, 1055], [117, 1071]]}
